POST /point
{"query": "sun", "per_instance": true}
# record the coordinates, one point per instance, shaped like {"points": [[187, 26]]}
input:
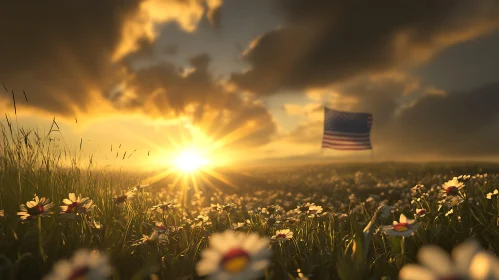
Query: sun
{"points": [[190, 161]]}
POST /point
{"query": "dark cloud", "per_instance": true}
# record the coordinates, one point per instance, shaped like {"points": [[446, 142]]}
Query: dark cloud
{"points": [[460, 124], [170, 49], [166, 90], [327, 41], [214, 17], [58, 52]]}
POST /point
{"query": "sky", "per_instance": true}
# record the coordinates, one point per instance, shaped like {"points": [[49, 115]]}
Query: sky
{"points": [[246, 81]]}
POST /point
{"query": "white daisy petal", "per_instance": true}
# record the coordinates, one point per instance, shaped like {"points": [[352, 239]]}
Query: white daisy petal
{"points": [[416, 272], [436, 259]]}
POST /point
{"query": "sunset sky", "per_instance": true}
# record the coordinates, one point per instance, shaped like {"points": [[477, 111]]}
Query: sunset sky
{"points": [[246, 80]]}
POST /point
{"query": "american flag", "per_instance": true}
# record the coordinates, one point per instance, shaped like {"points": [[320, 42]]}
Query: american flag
{"points": [[347, 130]]}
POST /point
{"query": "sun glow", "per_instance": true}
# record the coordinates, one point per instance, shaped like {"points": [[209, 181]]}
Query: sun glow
{"points": [[190, 161]]}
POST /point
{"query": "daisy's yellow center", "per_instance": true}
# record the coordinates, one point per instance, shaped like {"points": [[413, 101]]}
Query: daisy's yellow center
{"points": [[281, 236], [72, 208], [452, 190], [35, 210], [304, 208], [235, 260], [121, 199], [161, 228], [401, 227]]}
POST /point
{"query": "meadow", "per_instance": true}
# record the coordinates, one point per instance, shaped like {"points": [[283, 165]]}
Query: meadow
{"points": [[329, 221]]}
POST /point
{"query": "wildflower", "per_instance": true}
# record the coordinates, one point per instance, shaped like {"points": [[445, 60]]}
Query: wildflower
{"points": [[273, 221], [155, 237], [453, 201], [96, 226], [123, 198], [34, 208], [301, 276], [75, 206], [420, 212], [283, 235], [490, 194], [201, 218], [343, 216], [83, 265], [264, 211], [450, 212], [238, 225], [405, 227], [160, 227], [227, 207], [140, 187], [468, 261], [2, 213], [165, 206], [215, 207], [452, 187], [233, 255]]}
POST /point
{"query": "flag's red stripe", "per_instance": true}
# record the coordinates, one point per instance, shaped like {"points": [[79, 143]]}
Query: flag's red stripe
{"points": [[346, 145], [339, 138], [346, 142], [346, 148]]}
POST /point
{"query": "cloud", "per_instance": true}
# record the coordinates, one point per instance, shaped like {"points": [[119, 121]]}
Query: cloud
{"points": [[214, 12], [68, 57], [328, 41], [457, 124], [150, 13], [166, 90]]}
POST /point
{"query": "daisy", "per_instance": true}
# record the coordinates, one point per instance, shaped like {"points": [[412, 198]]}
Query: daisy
{"points": [[453, 201], [468, 261], [301, 276], [160, 227], [405, 227], [238, 225], [83, 265], [155, 237], [123, 198], [490, 194], [34, 208], [140, 187], [165, 206], [234, 256], [420, 212], [282, 235], [75, 206], [97, 226], [227, 207], [452, 187], [314, 210]]}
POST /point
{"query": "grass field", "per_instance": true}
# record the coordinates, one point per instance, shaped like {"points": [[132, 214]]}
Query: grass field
{"points": [[339, 219]]}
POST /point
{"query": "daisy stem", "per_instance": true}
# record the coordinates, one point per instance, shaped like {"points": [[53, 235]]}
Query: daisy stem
{"points": [[40, 240], [402, 245]]}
